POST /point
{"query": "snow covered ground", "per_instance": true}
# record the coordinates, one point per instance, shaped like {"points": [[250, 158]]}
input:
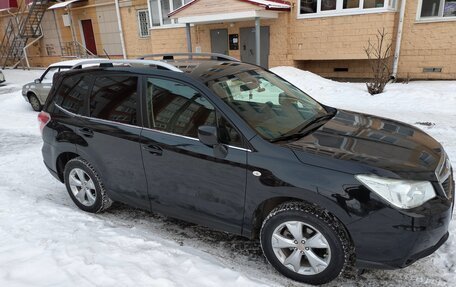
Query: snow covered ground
{"points": [[46, 241]]}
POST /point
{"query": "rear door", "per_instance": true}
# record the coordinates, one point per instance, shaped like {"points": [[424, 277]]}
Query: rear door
{"points": [[185, 179], [110, 136]]}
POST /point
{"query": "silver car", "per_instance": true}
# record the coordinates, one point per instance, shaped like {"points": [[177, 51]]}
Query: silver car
{"points": [[2, 77], [37, 91]]}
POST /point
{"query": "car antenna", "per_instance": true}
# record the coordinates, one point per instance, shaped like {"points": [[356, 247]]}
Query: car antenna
{"points": [[106, 53]]}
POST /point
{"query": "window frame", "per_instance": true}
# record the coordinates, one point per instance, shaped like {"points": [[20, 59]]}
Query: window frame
{"points": [[147, 23], [173, 24], [439, 18], [388, 6], [218, 112]]}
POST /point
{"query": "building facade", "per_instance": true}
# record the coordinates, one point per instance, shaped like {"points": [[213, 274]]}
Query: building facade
{"points": [[327, 37]]}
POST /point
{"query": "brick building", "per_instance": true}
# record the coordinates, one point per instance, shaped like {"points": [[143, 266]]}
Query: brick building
{"points": [[324, 36]]}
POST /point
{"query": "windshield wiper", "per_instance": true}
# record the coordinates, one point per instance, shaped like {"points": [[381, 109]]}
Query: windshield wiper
{"points": [[305, 130]]}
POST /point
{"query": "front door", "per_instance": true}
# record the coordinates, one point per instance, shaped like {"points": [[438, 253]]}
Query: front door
{"points": [[247, 46], [219, 41], [89, 37], [185, 179]]}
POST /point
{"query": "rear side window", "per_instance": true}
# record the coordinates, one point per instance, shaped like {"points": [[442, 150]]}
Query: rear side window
{"points": [[72, 93], [115, 98]]}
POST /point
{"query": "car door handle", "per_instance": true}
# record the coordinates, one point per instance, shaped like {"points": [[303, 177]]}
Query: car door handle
{"points": [[153, 149], [86, 132]]}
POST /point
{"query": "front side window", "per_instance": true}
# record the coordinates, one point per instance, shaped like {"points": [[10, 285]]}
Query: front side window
{"points": [[437, 8], [177, 108], [270, 105], [114, 98], [47, 77], [159, 10], [313, 8], [72, 93]]}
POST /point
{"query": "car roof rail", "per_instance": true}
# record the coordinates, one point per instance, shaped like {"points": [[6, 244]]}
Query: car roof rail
{"points": [[171, 56], [133, 63]]}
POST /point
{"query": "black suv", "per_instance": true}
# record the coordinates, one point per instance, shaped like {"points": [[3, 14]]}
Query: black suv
{"points": [[235, 147]]}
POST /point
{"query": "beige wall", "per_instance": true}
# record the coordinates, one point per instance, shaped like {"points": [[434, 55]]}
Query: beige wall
{"points": [[339, 37], [427, 45]]}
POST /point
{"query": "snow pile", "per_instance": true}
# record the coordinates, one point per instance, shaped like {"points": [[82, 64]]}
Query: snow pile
{"points": [[45, 240]]}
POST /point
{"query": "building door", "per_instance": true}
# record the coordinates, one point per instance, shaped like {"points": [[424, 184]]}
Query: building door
{"points": [[219, 41], [247, 46], [89, 37]]}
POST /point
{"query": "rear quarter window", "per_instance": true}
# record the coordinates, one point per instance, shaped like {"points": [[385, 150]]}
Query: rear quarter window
{"points": [[72, 93]]}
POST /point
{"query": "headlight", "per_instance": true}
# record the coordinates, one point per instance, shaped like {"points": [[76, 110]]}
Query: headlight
{"points": [[404, 194]]}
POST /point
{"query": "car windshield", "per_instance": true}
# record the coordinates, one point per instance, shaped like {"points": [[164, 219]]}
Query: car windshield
{"points": [[273, 107]]}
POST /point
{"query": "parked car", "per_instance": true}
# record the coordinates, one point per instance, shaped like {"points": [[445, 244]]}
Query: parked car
{"points": [[37, 91], [2, 77], [237, 148]]}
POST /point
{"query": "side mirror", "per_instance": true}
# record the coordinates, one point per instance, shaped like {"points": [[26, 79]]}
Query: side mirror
{"points": [[208, 135], [37, 81]]}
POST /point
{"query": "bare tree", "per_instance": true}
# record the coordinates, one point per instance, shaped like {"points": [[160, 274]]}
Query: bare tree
{"points": [[379, 55]]}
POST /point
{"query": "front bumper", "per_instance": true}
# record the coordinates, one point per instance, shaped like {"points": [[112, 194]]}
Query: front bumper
{"points": [[391, 239]]}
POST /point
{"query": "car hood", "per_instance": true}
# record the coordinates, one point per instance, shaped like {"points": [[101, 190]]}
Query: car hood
{"points": [[360, 143]]}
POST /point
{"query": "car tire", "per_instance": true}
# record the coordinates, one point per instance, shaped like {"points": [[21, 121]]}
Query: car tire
{"points": [[85, 186], [305, 243], [35, 103]]}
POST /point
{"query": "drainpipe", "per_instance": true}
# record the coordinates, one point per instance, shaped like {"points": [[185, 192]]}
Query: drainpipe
{"points": [[119, 22], [189, 38], [58, 32], [399, 39]]}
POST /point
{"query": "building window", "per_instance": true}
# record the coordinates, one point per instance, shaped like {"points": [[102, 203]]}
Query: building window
{"points": [[143, 23], [321, 8], [159, 10], [437, 9]]}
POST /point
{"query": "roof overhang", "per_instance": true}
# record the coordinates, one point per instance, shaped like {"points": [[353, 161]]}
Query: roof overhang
{"points": [[229, 17], [62, 4]]}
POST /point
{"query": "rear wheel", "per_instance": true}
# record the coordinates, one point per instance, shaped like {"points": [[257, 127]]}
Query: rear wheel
{"points": [[85, 187], [305, 243], [35, 103]]}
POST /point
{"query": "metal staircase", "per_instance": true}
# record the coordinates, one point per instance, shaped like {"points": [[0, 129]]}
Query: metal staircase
{"points": [[20, 29]]}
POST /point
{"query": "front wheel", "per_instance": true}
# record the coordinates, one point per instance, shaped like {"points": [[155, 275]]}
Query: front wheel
{"points": [[304, 243]]}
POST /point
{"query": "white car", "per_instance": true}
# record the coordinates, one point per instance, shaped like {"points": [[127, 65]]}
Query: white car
{"points": [[2, 77], [37, 91]]}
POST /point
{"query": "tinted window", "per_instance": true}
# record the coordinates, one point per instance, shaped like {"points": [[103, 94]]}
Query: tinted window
{"points": [[72, 93], [177, 108], [227, 133], [114, 98]]}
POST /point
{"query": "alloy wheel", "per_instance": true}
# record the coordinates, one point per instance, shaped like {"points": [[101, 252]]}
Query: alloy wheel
{"points": [[301, 247], [82, 187]]}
